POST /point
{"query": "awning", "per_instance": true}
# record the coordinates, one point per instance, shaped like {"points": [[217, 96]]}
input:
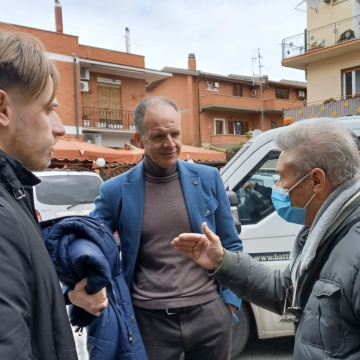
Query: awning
{"points": [[71, 149], [196, 153]]}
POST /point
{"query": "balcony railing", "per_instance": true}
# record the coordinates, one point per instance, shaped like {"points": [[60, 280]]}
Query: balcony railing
{"points": [[222, 100], [107, 118], [317, 39], [329, 108]]}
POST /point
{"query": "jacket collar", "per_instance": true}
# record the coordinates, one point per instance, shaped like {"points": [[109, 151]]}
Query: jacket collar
{"points": [[15, 175]]}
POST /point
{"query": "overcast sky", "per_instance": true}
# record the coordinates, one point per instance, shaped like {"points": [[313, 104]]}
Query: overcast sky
{"points": [[224, 34]]}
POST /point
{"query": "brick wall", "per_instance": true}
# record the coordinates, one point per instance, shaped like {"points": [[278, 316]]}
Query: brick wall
{"points": [[68, 45], [132, 91], [66, 93]]}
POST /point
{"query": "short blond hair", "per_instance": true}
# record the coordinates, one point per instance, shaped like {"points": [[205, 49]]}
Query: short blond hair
{"points": [[25, 66]]}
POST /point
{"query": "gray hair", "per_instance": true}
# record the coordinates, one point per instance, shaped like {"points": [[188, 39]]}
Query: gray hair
{"points": [[147, 103], [320, 143]]}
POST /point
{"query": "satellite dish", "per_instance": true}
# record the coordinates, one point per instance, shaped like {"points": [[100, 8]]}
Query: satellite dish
{"points": [[313, 4]]}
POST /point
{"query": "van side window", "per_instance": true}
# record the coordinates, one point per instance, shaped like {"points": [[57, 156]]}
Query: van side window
{"points": [[254, 190]]}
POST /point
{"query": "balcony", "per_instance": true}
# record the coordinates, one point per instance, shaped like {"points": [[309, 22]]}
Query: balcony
{"points": [[227, 140], [329, 108], [219, 102], [107, 120], [318, 44]]}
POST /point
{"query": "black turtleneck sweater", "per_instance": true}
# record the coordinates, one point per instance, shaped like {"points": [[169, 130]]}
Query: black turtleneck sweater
{"points": [[163, 277]]}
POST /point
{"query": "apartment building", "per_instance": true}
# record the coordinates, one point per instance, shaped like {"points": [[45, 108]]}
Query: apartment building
{"points": [[222, 110], [99, 88], [329, 52]]}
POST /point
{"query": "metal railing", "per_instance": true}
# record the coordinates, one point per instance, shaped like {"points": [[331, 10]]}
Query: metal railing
{"points": [[107, 118], [330, 108], [317, 39]]}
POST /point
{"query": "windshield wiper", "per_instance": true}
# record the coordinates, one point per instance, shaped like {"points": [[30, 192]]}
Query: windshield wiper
{"points": [[88, 201]]}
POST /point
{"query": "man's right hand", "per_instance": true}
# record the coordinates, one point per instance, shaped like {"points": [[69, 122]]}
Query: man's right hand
{"points": [[93, 304], [206, 250]]}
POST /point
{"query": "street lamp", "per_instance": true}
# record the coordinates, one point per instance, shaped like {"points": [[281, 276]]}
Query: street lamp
{"points": [[100, 162]]}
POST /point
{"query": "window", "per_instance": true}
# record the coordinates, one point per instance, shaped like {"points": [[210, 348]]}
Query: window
{"points": [[274, 124], [67, 189], [282, 93], [238, 127], [255, 200], [219, 126], [351, 82], [237, 90]]}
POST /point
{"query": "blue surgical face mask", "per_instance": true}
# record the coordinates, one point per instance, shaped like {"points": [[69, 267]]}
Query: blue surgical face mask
{"points": [[281, 200]]}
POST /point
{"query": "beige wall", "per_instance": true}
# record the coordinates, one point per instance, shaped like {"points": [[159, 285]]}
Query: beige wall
{"points": [[324, 77], [341, 10], [342, 13]]}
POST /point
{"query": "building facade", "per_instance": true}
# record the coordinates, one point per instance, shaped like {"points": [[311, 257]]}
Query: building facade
{"points": [[99, 88], [329, 52], [223, 110]]}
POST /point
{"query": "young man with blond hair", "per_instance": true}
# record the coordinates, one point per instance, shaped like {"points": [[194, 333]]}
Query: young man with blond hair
{"points": [[33, 318]]}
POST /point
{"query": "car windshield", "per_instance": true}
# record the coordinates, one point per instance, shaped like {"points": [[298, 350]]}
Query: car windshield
{"points": [[67, 189]]}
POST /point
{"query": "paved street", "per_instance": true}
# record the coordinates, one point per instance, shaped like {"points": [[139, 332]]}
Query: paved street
{"points": [[271, 349]]}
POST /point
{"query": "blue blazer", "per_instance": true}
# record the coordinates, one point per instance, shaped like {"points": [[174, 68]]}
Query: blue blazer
{"points": [[121, 204]]}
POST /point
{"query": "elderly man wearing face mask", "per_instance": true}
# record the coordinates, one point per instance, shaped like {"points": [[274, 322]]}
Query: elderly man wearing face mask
{"points": [[319, 187]]}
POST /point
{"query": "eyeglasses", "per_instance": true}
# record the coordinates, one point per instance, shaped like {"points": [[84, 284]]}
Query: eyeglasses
{"points": [[291, 313]]}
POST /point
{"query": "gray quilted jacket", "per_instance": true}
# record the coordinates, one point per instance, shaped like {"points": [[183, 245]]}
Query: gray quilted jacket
{"points": [[328, 292]]}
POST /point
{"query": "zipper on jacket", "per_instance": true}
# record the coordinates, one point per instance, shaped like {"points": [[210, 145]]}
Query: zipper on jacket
{"points": [[130, 334]]}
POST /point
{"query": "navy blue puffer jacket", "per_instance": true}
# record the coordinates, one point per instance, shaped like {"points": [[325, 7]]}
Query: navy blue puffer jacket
{"points": [[82, 247]]}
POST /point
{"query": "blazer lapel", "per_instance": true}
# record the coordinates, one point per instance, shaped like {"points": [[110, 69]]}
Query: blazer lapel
{"points": [[132, 214], [191, 186]]}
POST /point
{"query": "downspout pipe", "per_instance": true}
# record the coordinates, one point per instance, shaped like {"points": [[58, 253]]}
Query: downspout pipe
{"points": [[198, 108], [76, 99]]}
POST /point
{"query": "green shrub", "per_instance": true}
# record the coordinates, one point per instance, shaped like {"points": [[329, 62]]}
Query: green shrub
{"points": [[230, 153]]}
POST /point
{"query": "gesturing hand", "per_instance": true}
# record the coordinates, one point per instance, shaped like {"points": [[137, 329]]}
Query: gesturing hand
{"points": [[93, 304], [205, 249]]}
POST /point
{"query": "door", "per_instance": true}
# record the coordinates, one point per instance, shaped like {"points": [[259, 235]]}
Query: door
{"points": [[109, 102]]}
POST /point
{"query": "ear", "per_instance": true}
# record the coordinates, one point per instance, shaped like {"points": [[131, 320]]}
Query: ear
{"points": [[5, 110], [318, 180], [137, 137]]}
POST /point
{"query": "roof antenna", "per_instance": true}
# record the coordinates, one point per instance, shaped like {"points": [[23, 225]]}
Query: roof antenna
{"points": [[260, 65], [127, 39]]}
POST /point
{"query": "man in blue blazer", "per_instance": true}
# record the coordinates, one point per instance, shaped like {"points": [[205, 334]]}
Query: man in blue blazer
{"points": [[178, 307]]}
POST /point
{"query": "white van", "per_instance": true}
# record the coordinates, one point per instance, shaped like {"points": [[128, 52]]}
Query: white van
{"points": [[65, 193], [266, 237]]}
